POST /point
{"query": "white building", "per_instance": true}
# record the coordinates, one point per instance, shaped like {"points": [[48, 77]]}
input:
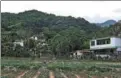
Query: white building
{"points": [[35, 38], [80, 53], [107, 45], [21, 43]]}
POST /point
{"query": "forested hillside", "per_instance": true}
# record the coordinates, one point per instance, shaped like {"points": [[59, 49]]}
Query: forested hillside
{"points": [[61, 34], [113, 30]]}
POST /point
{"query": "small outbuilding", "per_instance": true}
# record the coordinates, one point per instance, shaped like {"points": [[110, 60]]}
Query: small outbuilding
{"points": [[80, 53]]}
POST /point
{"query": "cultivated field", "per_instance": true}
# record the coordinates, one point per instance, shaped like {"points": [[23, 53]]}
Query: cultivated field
{"points": [[27, 68]]}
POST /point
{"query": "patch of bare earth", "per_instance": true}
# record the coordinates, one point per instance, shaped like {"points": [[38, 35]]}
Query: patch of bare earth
{"points": [[22, 74], [51, 74], [83, 74], [77, 76], [37, 74], [95, 77], [64, 75]]}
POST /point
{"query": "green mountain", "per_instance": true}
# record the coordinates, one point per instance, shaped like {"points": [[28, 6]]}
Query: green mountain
{"points": [[34, 21], [107, 23]]}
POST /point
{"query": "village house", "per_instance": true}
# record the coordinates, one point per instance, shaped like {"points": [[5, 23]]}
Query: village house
{"points": [[34, 37], [18, 42], [21, 43], [80, 53], [106, 47]]}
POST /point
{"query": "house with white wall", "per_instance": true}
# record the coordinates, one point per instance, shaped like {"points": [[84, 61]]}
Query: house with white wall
{"points": [[21, 43], [80, 53], [107, 45]]}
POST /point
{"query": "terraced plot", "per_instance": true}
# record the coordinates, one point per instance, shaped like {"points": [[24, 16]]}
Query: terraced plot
{"points": [[56, 74]]}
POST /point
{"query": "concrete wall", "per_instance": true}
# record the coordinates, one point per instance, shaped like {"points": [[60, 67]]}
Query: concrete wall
{"points": [[116, 42]]}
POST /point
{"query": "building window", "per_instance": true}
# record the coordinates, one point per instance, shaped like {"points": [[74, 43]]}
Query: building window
{"points": [[103, 41], [92, 43]]}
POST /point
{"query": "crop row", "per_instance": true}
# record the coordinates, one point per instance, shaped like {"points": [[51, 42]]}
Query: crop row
{"points": [[44, 73]]}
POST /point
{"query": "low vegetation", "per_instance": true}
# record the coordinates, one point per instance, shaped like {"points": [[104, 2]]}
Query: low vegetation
{"points": [[60, 69]]}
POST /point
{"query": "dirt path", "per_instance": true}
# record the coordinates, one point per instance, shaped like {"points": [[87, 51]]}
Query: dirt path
{"points": [[22, 74], [64, 75], [37, 74], [51, 74], [77, 76], [6, 74]]}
